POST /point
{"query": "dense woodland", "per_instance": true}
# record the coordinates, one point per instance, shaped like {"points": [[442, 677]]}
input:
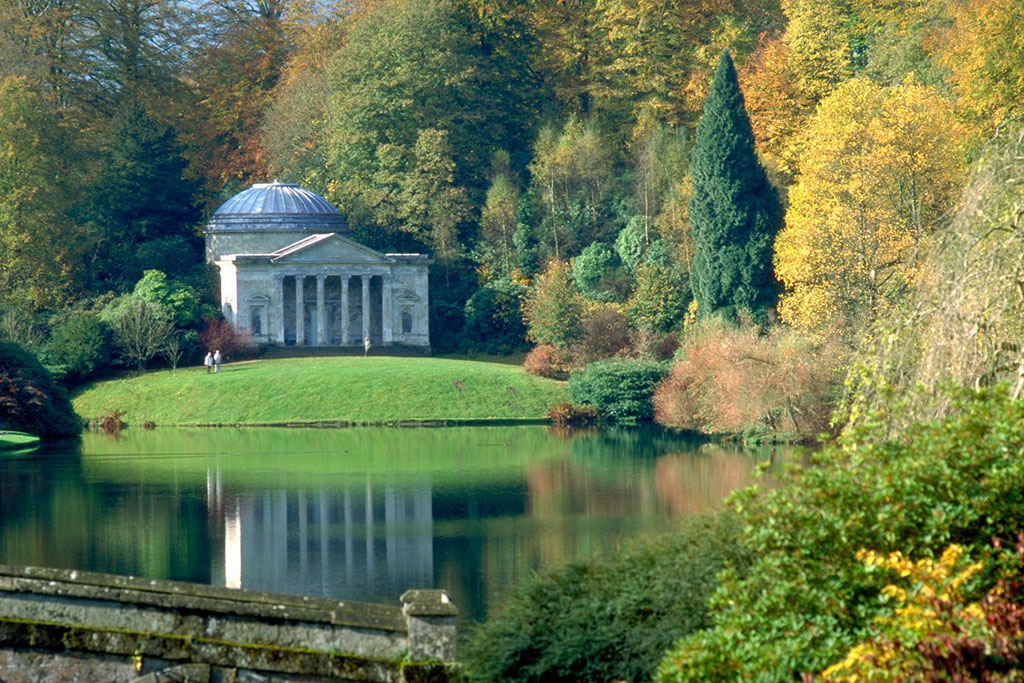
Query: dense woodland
{"points": [[546, 153], [535, 148]]}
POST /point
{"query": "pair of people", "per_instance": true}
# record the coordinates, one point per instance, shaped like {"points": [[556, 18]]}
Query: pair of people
{"points": [[212, 361]]}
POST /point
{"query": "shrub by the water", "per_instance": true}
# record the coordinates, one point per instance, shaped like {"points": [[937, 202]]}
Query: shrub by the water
{"points": [[940, 630], [30, 400], [609, 618], [741, 379], [571, 415], [620, 388], [807, 599]]}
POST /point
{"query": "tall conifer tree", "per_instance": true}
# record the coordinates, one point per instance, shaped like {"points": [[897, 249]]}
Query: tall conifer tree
{"points": [[735, 212]]}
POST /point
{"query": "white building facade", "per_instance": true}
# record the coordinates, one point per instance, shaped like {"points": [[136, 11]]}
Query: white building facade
{"points": [[289, 276]]}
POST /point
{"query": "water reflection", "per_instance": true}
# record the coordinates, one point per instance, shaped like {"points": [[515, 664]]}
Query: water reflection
{"points": [[359, 514], [357, 542]]}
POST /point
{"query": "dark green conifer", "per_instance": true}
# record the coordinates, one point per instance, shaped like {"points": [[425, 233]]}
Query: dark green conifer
{"points": [[735, 212], [141, 196]]}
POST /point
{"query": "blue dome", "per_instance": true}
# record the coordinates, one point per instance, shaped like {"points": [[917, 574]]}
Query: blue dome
{"points": [[276, 199]]}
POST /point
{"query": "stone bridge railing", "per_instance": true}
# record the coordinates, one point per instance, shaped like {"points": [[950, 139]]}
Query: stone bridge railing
{"points": [[58, 625]]}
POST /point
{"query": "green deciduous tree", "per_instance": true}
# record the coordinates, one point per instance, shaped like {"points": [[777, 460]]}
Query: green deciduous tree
{"points": [[735, 212], [141, 329], [411, 66], [494, 318], [432, 206], [499, 218], [40, 247], [79, 346], [572, 181], [594, 272], [554, 309], [178, 299], [659, 299]]}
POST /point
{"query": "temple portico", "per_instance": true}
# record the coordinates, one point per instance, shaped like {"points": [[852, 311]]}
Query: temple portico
{"points": [[322, 289]]}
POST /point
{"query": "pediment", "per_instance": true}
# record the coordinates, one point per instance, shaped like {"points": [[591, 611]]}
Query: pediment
{"points": [[329, 248], [407, 296]]}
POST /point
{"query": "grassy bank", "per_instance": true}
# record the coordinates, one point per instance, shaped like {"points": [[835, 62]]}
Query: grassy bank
{"points": [[340, 389]]}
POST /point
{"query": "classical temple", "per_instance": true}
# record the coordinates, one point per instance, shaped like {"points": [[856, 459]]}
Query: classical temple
{"points": [[289, 275]]}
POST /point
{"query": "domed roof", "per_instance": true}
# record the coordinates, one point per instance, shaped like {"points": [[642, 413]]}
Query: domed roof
{"points": [[276, 199]]}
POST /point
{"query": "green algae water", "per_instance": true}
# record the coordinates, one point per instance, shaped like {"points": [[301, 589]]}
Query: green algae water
{"points": [[357, 514]]}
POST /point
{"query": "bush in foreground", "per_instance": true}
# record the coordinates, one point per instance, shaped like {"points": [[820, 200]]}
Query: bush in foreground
{"points": [[30, 401], [609, 618], [939, 631], [807, 599], [620, 388]]}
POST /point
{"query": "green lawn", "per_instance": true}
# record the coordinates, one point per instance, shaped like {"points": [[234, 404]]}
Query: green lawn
{"points": [[343, 389], [17, 440]]}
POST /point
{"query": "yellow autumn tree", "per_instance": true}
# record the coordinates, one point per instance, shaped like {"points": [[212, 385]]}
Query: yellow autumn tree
{"points": [[792, 72], [876, 174], [985, 58]]}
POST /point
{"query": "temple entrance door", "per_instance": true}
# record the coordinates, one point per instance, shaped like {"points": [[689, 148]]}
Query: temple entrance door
{"points": [[310, 325]]}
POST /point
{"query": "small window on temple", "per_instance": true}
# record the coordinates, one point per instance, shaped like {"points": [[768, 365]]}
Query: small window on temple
{"points": [[406, 322], [256, 323]]}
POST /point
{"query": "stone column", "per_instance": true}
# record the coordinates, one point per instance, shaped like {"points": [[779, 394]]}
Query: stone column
{"points": [[344, 309], [366, 306], [430, 617], [321, 312], [386, 315], [300, 312], [277, 305]]}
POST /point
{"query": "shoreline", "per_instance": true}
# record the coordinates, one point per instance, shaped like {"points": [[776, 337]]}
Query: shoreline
{"points": [[345, 424]]}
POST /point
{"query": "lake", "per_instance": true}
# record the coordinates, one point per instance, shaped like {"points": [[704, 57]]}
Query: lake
{"points": [[360, 513]]}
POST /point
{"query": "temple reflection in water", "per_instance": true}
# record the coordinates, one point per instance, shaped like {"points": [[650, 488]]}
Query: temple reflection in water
{"points": [[377, 540]]}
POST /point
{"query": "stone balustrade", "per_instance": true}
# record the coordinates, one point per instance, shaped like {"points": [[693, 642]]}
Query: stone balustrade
{"points": [[58, 625]]}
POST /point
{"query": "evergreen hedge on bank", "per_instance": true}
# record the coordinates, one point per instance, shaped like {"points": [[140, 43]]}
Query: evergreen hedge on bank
{"points": [[620, 388]]}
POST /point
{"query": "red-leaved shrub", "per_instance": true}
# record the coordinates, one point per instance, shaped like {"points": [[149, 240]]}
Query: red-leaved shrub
{"points": [[219, 334], [547, 361], [733, 380]]}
